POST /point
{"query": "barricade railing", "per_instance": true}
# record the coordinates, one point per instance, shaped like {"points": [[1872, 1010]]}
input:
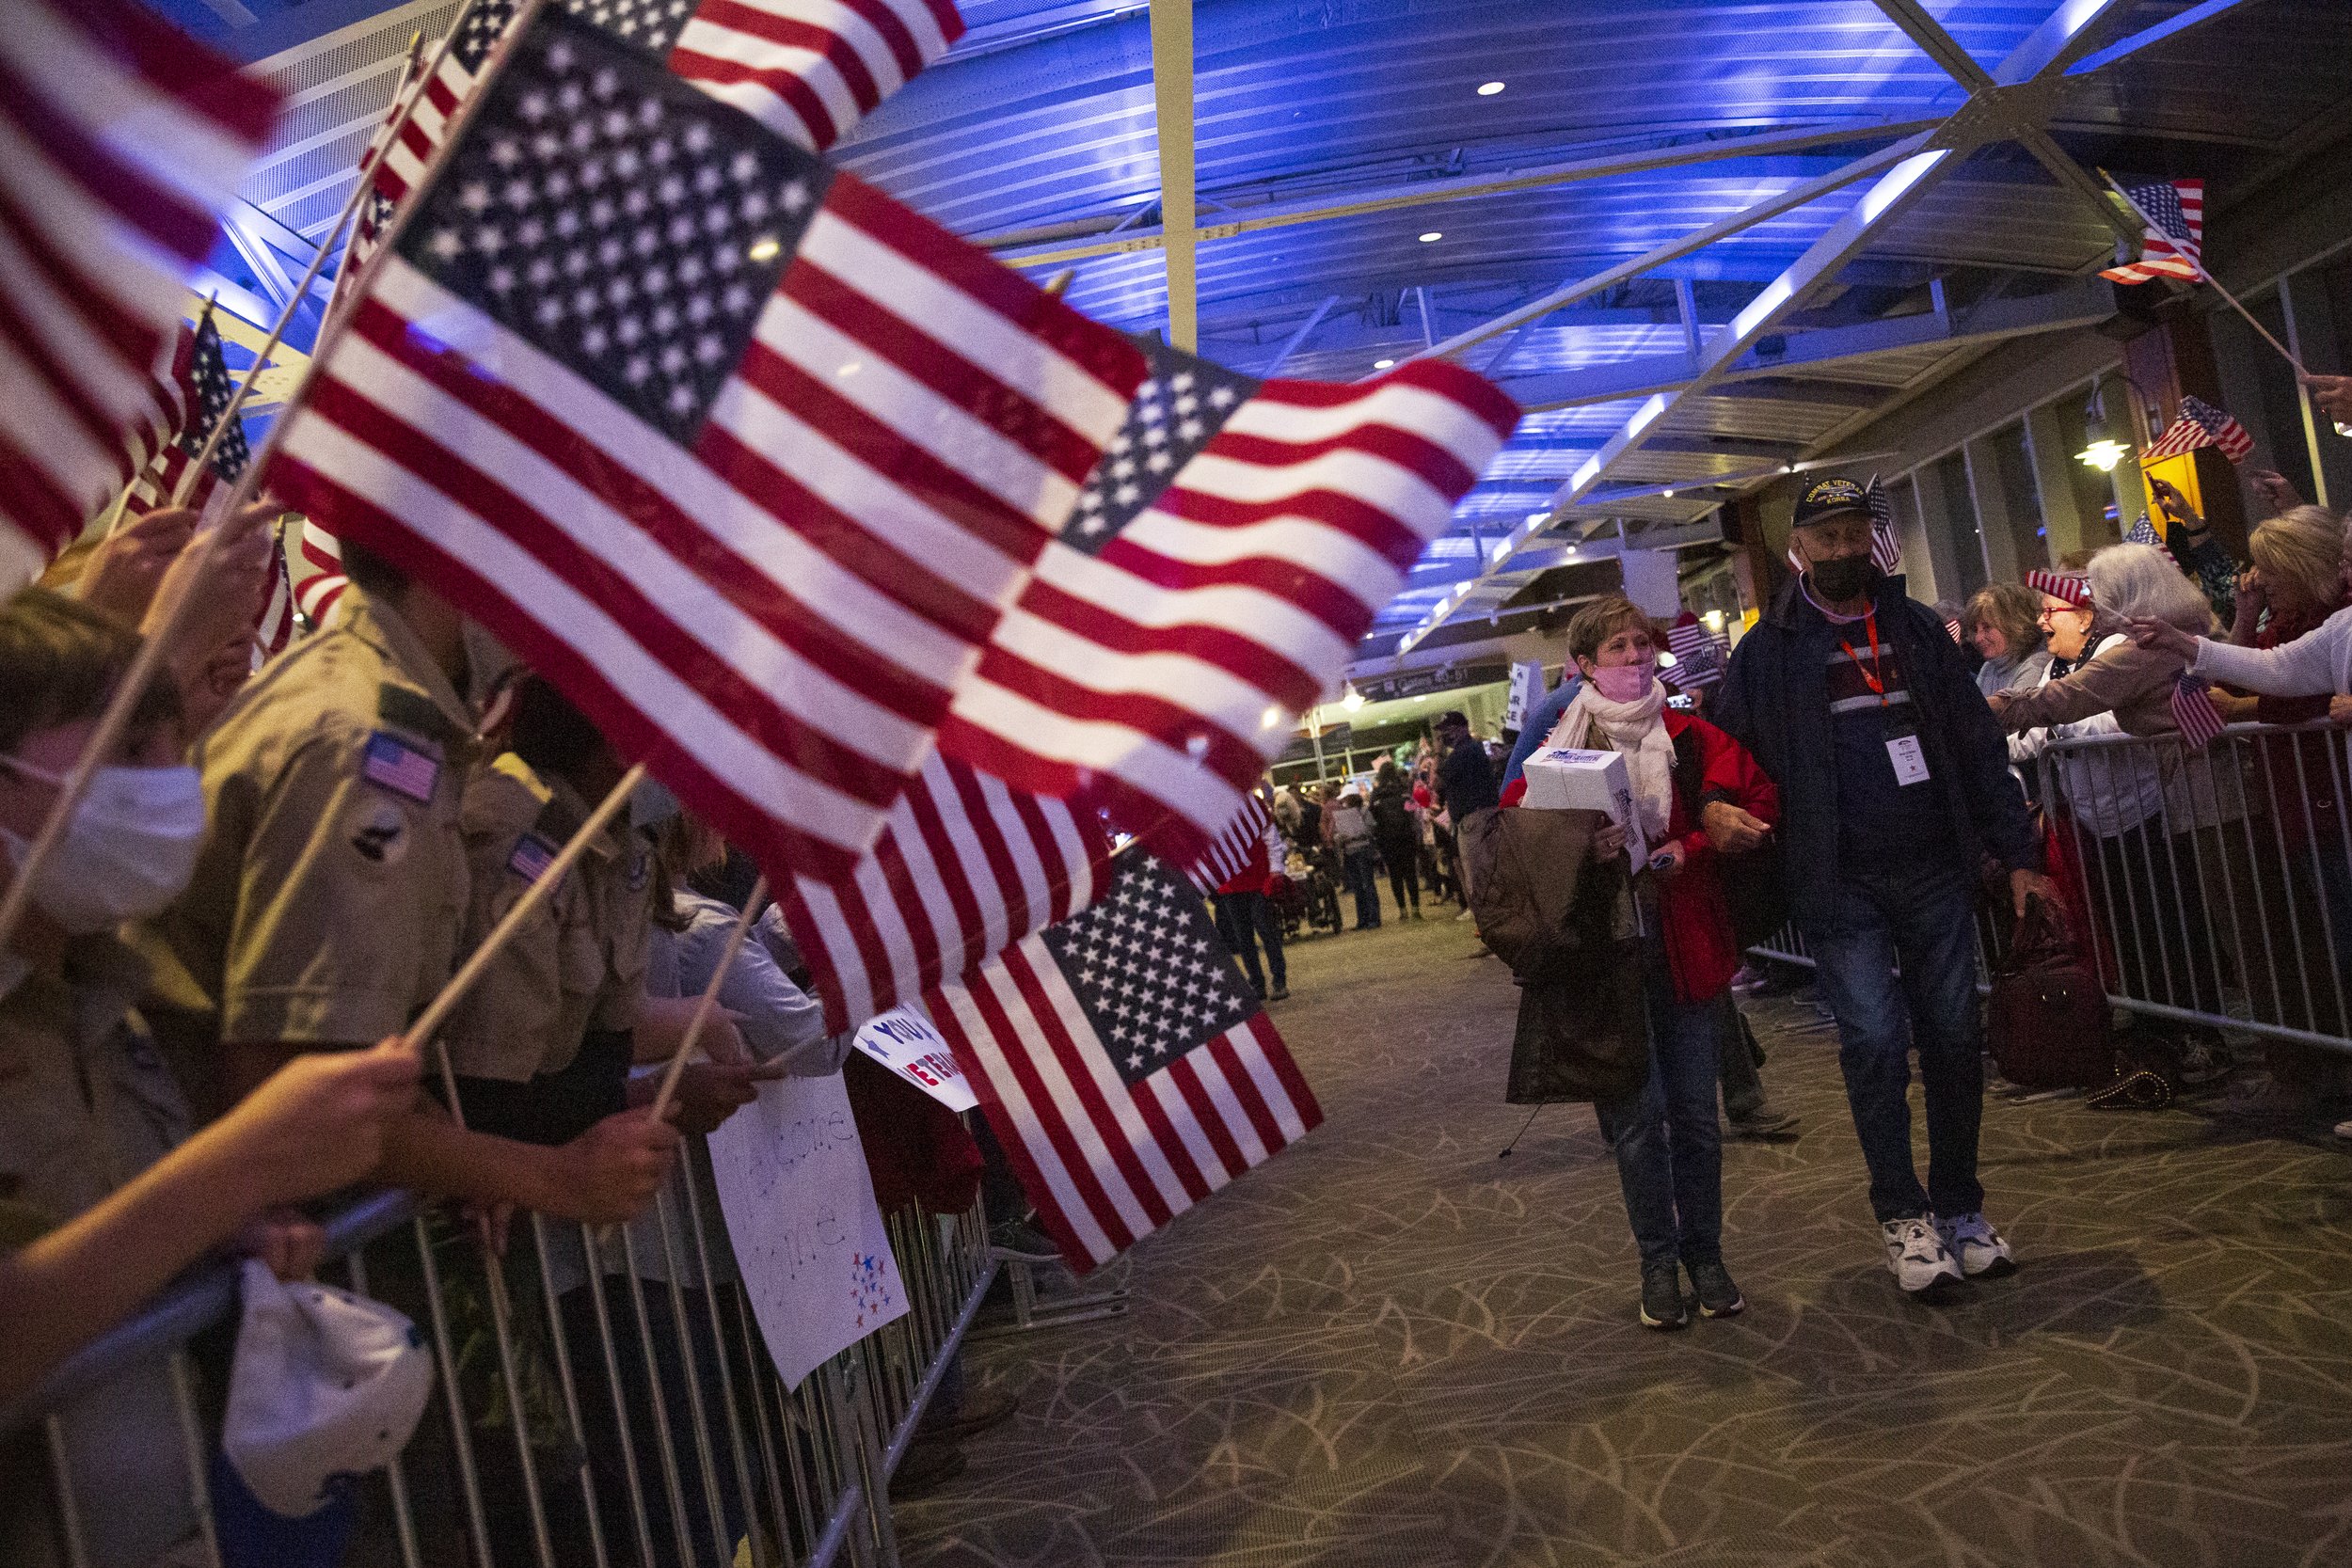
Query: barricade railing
{"points": [[620, 1414], [2210, 888]]}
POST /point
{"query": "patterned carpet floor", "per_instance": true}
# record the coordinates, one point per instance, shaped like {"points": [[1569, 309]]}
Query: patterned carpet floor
{"points": [[1390, 1347]]}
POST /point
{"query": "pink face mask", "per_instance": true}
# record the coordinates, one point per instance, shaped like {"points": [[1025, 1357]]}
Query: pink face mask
{"points": [[1624, 683]]}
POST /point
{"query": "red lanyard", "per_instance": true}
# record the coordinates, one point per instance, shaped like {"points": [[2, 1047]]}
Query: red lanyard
{"points": [[1869, 676]]}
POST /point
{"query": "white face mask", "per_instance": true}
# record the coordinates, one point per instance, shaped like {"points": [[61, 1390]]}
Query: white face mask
{"points": [[128, 852]]}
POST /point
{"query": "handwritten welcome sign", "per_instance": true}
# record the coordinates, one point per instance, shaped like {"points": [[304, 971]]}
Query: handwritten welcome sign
{"points": [[800, 1209]]}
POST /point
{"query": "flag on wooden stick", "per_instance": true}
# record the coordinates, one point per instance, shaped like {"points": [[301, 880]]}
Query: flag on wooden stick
{"points": [[2200, 424], [964, 868], [121, 140], [1221, 563], [1123, 1064], [743, 455], [2173, 242]]}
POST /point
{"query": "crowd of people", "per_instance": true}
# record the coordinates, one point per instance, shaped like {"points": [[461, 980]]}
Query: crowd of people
{"points": [[1904, 764], [204, 1011], [204, 1015]]}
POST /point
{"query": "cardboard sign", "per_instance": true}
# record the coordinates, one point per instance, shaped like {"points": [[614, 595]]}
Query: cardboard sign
{"points": [[1527, 691], [904, 1041], [800, 1209]]}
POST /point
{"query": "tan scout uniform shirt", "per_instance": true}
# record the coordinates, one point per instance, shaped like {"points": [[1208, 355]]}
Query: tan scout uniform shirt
{"points": [[85, 1104], [579, 962], [327, 897]]}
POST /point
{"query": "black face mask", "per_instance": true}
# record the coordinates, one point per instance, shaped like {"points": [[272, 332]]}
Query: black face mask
{"points": [[1846, 576]]}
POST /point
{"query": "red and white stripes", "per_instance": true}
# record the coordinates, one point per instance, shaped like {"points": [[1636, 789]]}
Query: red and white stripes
{"points": [[120, 139], [1105, 1164], [1146, 670], [964, 868]]}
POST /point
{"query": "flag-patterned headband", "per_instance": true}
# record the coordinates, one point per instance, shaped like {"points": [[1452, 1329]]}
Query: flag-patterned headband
{"points": [[2071, 586]]}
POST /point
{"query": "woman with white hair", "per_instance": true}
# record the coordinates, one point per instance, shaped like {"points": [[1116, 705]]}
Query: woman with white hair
{"points": [[2165, 869]]}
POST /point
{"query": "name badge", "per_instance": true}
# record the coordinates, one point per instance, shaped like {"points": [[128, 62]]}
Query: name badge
{"points": [[1911, 762]]}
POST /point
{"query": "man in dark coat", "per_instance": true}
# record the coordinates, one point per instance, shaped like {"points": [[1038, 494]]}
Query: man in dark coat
{"points": [[1894, 784]]}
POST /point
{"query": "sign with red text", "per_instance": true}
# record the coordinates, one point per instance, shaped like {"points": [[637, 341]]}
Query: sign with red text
{"points": [[904, 1041]]}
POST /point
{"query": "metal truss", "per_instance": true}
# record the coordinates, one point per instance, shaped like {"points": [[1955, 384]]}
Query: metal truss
{"points": [[2013, 102]]}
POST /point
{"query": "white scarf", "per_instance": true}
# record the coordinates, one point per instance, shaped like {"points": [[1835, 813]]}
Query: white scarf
{"points": [[1635, 729]]}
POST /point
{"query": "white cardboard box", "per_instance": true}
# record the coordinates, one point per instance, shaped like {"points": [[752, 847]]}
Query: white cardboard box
{"points": [[1561, 778]]}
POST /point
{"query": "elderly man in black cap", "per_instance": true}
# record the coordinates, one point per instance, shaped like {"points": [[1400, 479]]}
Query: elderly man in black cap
{"points": [[1894, 782]]}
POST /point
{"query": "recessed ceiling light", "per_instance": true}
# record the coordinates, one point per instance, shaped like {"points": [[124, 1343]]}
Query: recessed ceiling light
{"points": [[1487, 90], [1670, 495], [1382, 364], [1432, 236]]}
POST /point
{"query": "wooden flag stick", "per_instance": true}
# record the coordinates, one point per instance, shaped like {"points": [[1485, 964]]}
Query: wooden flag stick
{"points": [[2197, 258], [541, 888], [710, 997], [367, 166], [149, 659]]}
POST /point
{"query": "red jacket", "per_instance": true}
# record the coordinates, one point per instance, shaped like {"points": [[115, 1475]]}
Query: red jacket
{"points": [[1709, 766]]}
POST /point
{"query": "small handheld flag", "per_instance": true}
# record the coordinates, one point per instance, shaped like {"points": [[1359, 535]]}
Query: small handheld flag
{"points": [[2173, 242], [2202, 424], [2194, 711], [2144, 533]]}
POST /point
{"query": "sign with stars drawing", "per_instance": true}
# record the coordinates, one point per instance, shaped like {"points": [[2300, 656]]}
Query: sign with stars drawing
{"points": [[800, 1209], [1123, 1062]]}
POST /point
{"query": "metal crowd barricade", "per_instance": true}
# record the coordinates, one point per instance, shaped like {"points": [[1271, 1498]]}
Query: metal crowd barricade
{"points": [[2211, 888], [619, 1415], [2214, 888]]}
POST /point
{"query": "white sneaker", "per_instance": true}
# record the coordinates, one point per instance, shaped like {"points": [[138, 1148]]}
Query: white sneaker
{"points": [[1979, 1248], [2344, 1130], [1917, 1255]]}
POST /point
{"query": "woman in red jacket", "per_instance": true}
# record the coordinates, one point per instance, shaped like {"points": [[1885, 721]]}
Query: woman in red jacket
{"points": [[1698, 794]]}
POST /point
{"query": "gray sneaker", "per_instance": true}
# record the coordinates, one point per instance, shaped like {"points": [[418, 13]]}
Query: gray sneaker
{"points": [[1718, 1296], [1662, 1296]]}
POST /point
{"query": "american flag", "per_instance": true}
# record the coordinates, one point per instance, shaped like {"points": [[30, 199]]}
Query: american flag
{"points": [[744, 455], [120, 139], [2202, 424], [1223, 560], [397, 170], [274, 628], [806, 69], [1886, 547], [2171, 247], [2071, 586], [2144, 533], [1698, 655], [1234, 851], [315, 572], [1956, 634], [1123, 1064], [206, 389], [2193, 710], [965, 868]]}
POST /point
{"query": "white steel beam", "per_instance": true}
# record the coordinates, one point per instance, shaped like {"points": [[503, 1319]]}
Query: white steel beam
{"points": [[1171, 96], [1029, 248], [2124, 48], [1746, 217]]}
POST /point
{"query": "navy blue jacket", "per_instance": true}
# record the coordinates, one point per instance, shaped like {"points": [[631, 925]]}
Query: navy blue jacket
{"points": [[1775, 701], [1540, 724], [1466, 781]]}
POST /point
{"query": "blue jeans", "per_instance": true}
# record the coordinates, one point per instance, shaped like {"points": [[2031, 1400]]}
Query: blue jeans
{"points": [[1668, 1144], [1244, 920], [1926, 922], [1362, 869]]}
